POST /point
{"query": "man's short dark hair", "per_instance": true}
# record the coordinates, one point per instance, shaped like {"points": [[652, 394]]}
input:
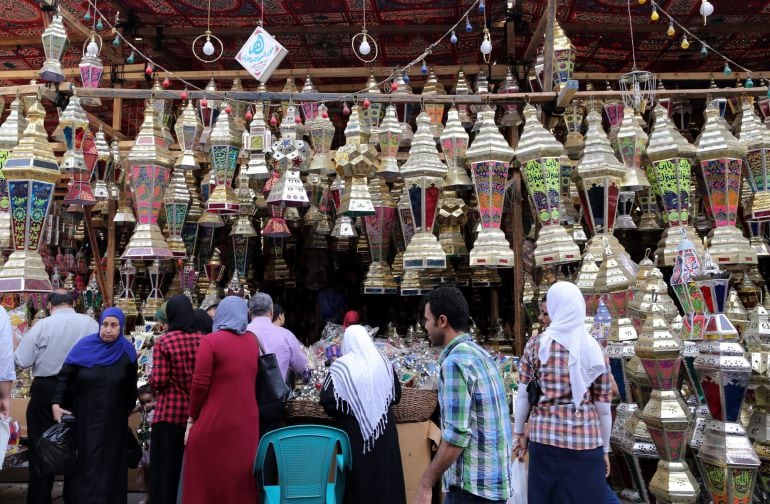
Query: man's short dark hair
{"points": [[450, 302], [60, 298], [144, 389]]}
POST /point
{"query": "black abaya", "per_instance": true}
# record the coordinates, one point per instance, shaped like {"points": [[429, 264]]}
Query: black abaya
{"points": [[377, 476], [101, 398]]}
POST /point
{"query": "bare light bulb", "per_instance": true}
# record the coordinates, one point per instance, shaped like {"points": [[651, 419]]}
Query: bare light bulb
{"points": [[486, 47], [706, 8], [364, 48], [92, 49], [671, 31], [208, 48]]}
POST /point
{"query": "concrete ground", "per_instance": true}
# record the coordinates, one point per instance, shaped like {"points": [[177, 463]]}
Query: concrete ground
{"points": [[15, 493]]}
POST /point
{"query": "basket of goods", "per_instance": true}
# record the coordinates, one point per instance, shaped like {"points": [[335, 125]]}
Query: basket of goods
{"points": [[416, 405]]}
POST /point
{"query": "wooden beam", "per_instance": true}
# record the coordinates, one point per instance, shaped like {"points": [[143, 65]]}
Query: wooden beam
{"points": [[109, 286], [276, 30], [517, 228], [661, 27], [537, 38], [95, 250], [117, 113], [548, 51], [72, 73], [566, 93], [108, 53], [108, 129]]}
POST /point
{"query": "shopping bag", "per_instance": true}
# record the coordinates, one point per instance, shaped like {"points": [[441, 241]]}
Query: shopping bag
{"points": [[519, 483], [56, 449], [5, 435]]}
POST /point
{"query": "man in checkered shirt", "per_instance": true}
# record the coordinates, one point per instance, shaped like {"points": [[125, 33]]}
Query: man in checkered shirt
{"points": [[476, 439]]}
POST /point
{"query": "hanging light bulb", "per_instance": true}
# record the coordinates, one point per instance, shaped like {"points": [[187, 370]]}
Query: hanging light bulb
{"points": [[749, 83], [100, 25], [642, 2], [87, 17], [424, 68], [654, 16], [364, 48], [706, 9], [406, 77], [468, 27], [131, 58], [727, 70], [486, 44], [704, 52], [685, 43], [482, 5], [92, 49], [671, 31], [116, 41], [208, 47], [453, 38]]}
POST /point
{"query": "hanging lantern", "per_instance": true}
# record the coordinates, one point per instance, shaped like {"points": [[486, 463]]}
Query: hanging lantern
{"points": [[631, 148], [454, 145], [73, 122], [80, 192], [32, 172], [290, 156], [164, 112], [539, 154], [260, 139], [434, 110], [756, 137], [356, 162], [563, 57], [126, 300], [573, 119], [176, 202], [728, 461], [379, 228], [322, 135], [402, 88], [586, 282], [188, 132], [225, 144], [452, 217], [613, 285], [721, 159], [149, 164], [91, 67], [55, 44], [289, 88], [511, 114], [390, 138], [155, 297], [237, 107], [103, 156], [462, 89], [424, 175], [310, 110], [208, 110], [649, 206], [598, 176], [371, 115], [10, 133], [243, 230], [624, 219]]}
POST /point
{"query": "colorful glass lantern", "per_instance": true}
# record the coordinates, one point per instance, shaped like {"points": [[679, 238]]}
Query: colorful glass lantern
{"points": [[164, 111], [225, 142], [586, 282], [721, 158], [454, 145], [290, 156], [631, 147], [243, 230], [149, 164], [310, 110], [624, 219], [322, 135], [371, 116], [73, 122], [728, 461], [356, 162], [80, 192], [91, 67], [613, 285], [613, 112], [653, 291], [260, 139], [390, 139], [103, 157], [756, 137], [10, 133], [540, 156], [379, 229], [462, 89], [452, 217], [598, 176], [208, 110], [489, 158], [55, 44], [126, 300], [573, 119], [405, 114], [434, 110], [176, 202], [666, 414], [511, 111], [32, 172], [424, 175], [563, 57], [188, 132]]}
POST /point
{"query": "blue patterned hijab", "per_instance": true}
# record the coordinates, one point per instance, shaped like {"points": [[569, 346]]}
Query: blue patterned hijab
{"points": [[92, 351]]}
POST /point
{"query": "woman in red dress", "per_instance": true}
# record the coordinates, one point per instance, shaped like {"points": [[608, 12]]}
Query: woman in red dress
{"points": [[224, 435]]}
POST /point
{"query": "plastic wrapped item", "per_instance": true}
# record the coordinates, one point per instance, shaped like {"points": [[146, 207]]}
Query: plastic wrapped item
{"points": [[56, 449]]}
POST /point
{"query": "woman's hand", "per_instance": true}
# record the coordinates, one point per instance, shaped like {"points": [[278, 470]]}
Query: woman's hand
{"points": [[606, 465], [59, 412], [520, 448], [190, 423]]}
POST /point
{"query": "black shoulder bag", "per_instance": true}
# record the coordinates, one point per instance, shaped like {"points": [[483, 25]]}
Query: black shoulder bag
{"points": [[533, 387], [272, 389]]}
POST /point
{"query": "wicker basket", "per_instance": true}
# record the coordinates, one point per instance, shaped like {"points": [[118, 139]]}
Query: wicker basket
{"points": [[416, 405], [298, 408]]}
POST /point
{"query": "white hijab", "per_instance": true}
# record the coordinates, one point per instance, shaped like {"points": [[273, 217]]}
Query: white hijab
{"points": [[363, 378], [567, 310]]}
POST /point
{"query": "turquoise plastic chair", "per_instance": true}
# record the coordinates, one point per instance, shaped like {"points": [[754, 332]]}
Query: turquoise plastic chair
{"points": [[304, 455]]}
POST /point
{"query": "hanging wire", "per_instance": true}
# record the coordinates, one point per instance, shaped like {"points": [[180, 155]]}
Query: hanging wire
{"points": [[631, 29]]}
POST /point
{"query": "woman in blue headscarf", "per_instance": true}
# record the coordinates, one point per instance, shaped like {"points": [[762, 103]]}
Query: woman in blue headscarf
{"points": [[97, 384], [224, 417]]}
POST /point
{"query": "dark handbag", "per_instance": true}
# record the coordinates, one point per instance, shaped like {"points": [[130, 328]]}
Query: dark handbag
{"points": [[133, 450], [272, 390], [534, 392], [57, 450]]}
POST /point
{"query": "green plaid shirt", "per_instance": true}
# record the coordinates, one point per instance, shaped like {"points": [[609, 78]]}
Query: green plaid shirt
{"points": [[474, 416]]}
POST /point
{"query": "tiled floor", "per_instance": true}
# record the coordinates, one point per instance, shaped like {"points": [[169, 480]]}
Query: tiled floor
{"points": [[14, 493]]}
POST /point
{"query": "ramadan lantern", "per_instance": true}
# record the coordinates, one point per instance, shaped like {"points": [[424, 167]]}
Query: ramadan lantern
{"points": [[208, 110], [260, 140], [322, 136], [539, 154], [225, 142], [631, 147], [454, 146], [390, 139], [32, 172], [489, 158], [149, 165], [721, 160], [511, 111], [243, 230], [356, 162], [10, 133], [55, 44], [126, 300], [756, 137], [452, 217], [462, 89], [379, 229], [434, 110], [176, 202], [80, 192], [424, 175], [188, 132], [91, 67], [73, 122]]}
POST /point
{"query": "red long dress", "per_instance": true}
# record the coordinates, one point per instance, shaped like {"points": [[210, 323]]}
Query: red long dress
{"points": [[223, 441]]}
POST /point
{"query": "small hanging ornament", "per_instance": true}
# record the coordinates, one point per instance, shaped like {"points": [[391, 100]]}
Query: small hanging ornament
{"points": [[706, 9], [482, 6], [273, 120], [486, 45], [642, 2], [148, 70], [183, 95], [704, 52], [406, 77], [100, 25], [298, 119], [228, 109], [248, 116], [671, 31], [204, 103], [727, 70], [654, 16], [87, 17], [685, 43], [166, 83], [468, 27], [208, 49], [424, 68], [325, 114], [131, 58], [749, 83], [393, 86], [366, 104], [116, 41], [345, 109], [453, 38]]}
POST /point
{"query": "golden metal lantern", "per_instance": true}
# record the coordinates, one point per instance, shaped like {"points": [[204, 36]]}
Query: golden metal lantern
{"points": [[434, 110], [32, 172], [756, 137], [631, 147], [563, 57], [104, 155], [613, 285], [188, 132], [511, 111], [389, 138], [243, 230], [225, 142], [322, 135], [55, 44], [208, 110], [405, 114], [452, 217], [73, 122], [356, 163], [454, 145], [573, 119], [260, 140], [371, 116], [176, 202], [586, 282], [379, 229], [540, 156], [462, 89], [10, 133]]}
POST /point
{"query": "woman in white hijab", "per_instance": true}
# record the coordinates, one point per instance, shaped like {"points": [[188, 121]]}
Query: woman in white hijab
{"points": [[358, 393], [570, 423]]}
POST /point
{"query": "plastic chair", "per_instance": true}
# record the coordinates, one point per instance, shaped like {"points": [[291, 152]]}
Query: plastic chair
{"points": [[304, 454]]}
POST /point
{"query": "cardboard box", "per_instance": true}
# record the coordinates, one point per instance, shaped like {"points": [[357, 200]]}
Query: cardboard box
{"points": [[417, 441]]}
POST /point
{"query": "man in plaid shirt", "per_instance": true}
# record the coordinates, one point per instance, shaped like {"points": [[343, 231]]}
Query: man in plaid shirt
{"points": [[475, 452]]}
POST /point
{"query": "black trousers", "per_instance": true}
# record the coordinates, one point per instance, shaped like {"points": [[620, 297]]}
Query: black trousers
{"points": [[40, 419], [166, 452]]}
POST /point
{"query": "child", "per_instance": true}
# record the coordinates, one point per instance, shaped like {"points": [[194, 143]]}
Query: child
{"points": [[146, 408]]}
